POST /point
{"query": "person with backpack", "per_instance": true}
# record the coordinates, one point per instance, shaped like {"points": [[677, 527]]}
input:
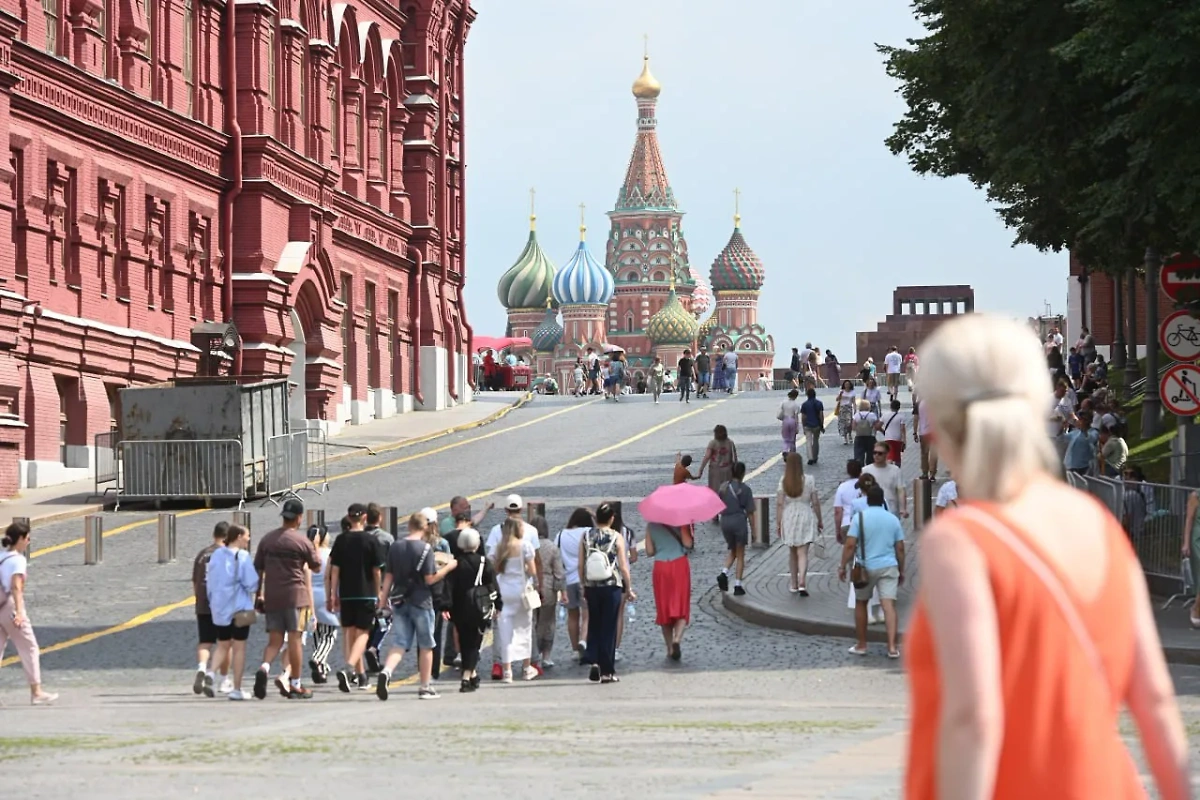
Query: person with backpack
{"points": [[410, 573], [735, 526], [14, 621], [474, 596], [604, 568], [863, 424]]}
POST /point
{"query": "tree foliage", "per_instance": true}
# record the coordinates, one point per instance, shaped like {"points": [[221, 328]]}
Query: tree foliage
{"points": [[1056, 109]]}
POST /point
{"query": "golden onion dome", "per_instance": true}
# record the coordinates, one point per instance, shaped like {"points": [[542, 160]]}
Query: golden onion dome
{"points": [[672, 324], [646, 87]]}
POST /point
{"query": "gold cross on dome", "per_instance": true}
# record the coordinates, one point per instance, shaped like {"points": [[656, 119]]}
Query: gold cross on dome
{"points": [[532, 204], [737, 206], [646, 46], [582, 221]]}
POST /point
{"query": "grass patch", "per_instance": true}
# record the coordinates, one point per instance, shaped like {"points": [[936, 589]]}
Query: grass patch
{"points": [[1152, 455], [31, 745], [784, 726]]}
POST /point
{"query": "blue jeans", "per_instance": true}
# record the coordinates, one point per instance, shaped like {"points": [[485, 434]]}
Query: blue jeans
{"points": [[685, 388], [412, 626], [703, 379]]}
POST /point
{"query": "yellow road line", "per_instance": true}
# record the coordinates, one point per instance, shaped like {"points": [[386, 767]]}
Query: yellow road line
{"points": [[453, 445], [45, 551], [136, 622], [773, 460], [154, 614], [466, 426]]}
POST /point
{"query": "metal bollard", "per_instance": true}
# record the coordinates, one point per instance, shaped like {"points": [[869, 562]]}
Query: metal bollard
{"points": [[315, 516], [93, 539], [535, 508], [760, 530], [166, 538], [393, 520], [922, 493], [242, 518]]}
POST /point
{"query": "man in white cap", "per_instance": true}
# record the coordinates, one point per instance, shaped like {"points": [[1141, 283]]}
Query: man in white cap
{"points": [[513, 505]]}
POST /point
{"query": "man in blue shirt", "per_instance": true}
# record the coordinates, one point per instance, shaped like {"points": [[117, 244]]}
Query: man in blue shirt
{"points": [[1081, 445], [876, 540], [812, 417]]}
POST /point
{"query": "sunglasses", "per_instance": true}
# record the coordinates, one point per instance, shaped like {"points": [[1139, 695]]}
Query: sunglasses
{"points": [[881, 452]]}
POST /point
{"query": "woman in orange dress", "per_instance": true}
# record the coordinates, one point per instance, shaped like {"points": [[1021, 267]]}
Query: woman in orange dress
{"points": [[1033, 627]]}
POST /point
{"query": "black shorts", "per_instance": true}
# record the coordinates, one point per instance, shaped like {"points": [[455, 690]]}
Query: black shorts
{"points": [[231, 632], [206, 632], [358, 614]]}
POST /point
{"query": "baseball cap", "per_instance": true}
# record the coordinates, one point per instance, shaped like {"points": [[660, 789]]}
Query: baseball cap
{"points": [[429, 514], [292, 509], [356, 510], [513, 502]]}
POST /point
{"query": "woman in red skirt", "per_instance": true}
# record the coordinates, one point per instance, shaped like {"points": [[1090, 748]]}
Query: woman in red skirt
{"points": [[669, 547]]}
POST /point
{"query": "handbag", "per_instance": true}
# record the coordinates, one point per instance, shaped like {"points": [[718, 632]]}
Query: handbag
{"points": [[858, 572], [531, 598], [243, 619]]}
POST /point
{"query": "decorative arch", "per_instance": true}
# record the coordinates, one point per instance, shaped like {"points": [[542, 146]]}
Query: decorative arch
{"points": [[346, 40], [659, 277], [370, 47]]}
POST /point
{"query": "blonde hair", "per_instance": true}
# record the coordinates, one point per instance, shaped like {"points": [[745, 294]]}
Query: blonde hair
{"points": [[510, 542], [793, 476], [983, 381]]}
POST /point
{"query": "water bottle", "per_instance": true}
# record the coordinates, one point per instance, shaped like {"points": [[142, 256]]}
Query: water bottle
{"points": [[630, 611], [562, 614]]}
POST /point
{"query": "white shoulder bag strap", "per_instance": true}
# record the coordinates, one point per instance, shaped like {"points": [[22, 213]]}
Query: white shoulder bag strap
{"points": [[1052, 583]]}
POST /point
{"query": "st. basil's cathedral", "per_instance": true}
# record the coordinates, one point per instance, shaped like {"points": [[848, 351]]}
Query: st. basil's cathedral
{"points": [[647, 298]]}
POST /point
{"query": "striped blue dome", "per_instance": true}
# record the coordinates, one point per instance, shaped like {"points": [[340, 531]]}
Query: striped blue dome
{"points": [[583, 281]]}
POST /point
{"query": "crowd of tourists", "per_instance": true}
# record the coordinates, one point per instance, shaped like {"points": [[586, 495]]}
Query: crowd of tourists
{"points": [[437, 589]]}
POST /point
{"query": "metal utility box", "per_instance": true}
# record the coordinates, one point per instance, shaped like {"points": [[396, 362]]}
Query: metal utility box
{"points": [[230, 423]]}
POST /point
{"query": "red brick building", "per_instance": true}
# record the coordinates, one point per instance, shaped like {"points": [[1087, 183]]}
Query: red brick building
{"points": [[916, 312], [1091, 302], [294, 168]]}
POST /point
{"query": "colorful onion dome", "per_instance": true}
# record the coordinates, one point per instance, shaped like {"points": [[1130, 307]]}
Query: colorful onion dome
{"points": [[646, 87], [702, 296], [672, 324], [737, 267], [708, 327], [547, 335], [528, 283], [583, 281]]}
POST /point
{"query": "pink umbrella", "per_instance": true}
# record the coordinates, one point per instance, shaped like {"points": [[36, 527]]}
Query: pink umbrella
{"points": [[681, 504]]}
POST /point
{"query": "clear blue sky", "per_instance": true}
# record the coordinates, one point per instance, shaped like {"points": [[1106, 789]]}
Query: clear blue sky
{"points": [[785, 99]]}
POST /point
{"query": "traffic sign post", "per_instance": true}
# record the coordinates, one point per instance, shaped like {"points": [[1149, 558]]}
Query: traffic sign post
{"points": [[1179, 277], [1180, 390], [1179, 336]]}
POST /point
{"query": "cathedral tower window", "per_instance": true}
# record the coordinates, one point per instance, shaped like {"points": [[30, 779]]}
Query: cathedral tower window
{"points": [[50, 8], [189, 55]]}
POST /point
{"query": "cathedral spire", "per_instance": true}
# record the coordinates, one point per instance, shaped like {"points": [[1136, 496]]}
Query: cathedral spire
{"points": [[646, 186]]}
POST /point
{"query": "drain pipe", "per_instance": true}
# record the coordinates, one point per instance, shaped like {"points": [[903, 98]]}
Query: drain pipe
{"points": [[444, 224], [462, 240], [418, 286], [234, 130]]}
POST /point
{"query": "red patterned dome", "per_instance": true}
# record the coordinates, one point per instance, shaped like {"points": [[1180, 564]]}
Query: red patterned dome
{"points": [[737, 267]]}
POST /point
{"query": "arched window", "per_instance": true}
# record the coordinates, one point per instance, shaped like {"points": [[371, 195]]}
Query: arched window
{"points": [[272, 91], [150, 8], [189, 55], [51, 9], [658, 277], [629, 322], [632, 276]]}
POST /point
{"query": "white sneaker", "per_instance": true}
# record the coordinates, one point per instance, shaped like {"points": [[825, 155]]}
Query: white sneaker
{"points": [[236, 694], [226, 685], [530, 674]]}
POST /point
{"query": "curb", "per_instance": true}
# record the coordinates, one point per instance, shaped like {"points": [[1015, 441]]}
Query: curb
{"points": [[520, 402], [757, 615]]}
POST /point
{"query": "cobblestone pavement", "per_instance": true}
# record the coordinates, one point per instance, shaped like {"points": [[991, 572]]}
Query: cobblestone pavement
{"points": [[750, 709]]}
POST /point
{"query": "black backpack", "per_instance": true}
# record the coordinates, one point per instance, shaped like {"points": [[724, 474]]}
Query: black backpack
{"points": [[481, 598]]}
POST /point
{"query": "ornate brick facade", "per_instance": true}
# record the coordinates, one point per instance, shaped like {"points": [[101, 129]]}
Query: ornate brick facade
{"points": [[296, 169]]}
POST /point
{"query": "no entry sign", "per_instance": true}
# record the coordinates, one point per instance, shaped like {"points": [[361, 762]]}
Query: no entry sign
{"points": [[1179, 336], [1180, 278], [1180, 390]]}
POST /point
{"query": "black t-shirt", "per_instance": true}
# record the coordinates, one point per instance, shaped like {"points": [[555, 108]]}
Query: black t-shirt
{"points": [[685, 367], [356, 554], [702, 362]]}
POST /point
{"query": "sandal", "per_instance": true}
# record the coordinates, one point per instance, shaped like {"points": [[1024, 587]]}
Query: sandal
{"points": [[893, 653], [854, 651]]}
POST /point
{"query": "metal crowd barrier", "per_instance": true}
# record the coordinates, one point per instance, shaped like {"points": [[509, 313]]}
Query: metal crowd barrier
{"points": [[160, 469], [1153, 516], [317, 458], [108, 463]]}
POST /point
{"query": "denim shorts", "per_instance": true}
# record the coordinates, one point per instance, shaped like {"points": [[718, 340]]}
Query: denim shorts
{"points": [[412, 627]]}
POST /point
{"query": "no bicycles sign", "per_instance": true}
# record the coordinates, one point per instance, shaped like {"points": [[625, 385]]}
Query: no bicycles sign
{"points": [[1180, 390], [1179, 336]]}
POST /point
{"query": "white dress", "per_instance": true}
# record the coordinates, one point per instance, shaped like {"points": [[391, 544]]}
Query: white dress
{"points": [[798, 521], [514, 625]]}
